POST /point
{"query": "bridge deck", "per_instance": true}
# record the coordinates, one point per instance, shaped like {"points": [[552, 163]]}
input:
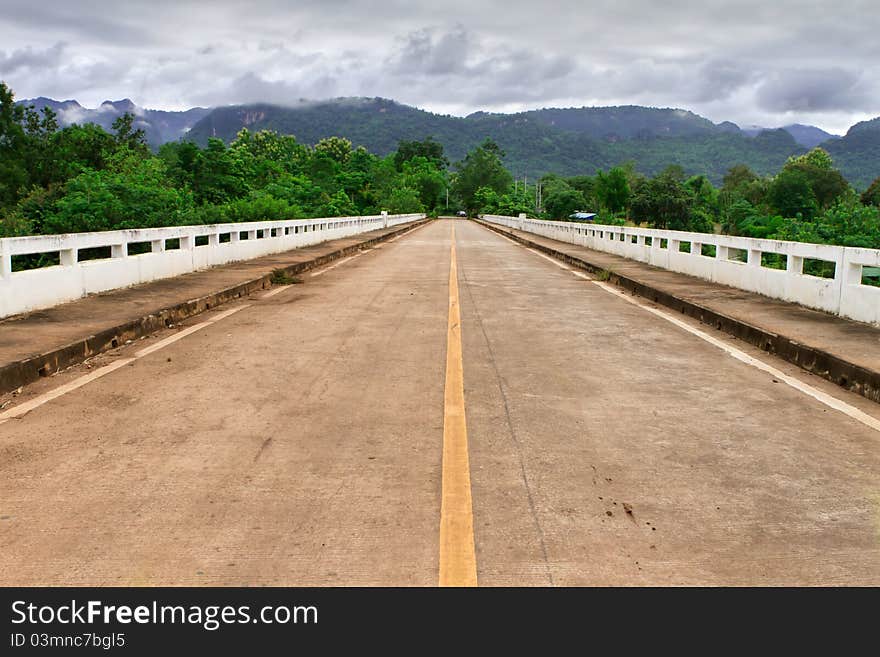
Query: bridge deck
{"points": [[854, 342], [298, 440]]}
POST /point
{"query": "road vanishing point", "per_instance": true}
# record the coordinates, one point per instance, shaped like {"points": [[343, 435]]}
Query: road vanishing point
{"points": [[447, 408]]}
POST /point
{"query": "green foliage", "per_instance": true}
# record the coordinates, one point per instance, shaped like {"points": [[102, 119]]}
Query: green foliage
{"points": [[663, 202], [790, 194], [481, 168], [613, 189], [428, 149], [83, 178], [337, 148], [134, 194], [561, 200], [404, 200], [871, 196], [283, 277]]}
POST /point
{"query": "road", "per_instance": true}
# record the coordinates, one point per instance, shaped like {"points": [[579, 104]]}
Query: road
{"points": [[299, 439]]}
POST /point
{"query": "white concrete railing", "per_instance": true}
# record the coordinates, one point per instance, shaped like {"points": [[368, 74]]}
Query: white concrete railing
{"points": [[737, 262], [198, 247]]}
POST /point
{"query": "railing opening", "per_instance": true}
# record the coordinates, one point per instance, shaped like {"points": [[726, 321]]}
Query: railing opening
{"points": [[774, 260], [737, 255], [871, 276], [820, 268], [201, 240], [35, 261], [664, 243], [225, 237], [708, 250], [684, 247], [649, 241], [138, 248], [95, 253], [172, 244]]}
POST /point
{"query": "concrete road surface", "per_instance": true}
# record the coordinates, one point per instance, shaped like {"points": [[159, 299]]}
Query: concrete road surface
{"points": [[299, 439]]}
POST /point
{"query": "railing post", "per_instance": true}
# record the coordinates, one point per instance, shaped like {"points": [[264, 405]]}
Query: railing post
{"points": [[5, 262], [384, 218], [119, 250], [754, 258], [68, 257], [794, 264], [157, 246]]}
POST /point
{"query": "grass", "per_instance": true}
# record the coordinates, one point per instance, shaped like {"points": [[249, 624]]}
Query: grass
{"points": [[282, 277]]}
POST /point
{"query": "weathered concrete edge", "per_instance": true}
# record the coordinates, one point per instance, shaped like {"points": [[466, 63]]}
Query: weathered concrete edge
{"points": [[858, 379], [18, 373]]}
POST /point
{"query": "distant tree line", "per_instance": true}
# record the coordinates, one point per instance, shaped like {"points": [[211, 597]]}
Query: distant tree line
{"points": [[83, 178], [808, 200]]}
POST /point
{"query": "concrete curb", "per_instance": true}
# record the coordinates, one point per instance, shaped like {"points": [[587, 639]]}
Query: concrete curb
{"points": [[18, 373], [817, 361]]}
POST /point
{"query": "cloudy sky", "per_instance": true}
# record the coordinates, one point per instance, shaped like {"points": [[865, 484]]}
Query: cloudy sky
{"points": [[752, 62]]}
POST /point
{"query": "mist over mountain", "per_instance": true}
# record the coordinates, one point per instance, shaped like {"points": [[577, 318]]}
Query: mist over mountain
{"points": [[808, 136], [567, 141], [159, 126]]}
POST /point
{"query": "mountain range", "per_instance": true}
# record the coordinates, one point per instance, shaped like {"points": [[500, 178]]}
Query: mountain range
{"points": [[158, 125], [565, 141]]}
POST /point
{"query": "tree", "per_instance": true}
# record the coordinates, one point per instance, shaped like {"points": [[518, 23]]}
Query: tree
{"points": [[404, 200], [428, 149], [561, 200], [738, 177], [612, 189], [219, 174], [481, 168], [790, 194], [337, 148], [128, 136], [13, 173], [132, 193], [827, 183], [871, 196], [424, 176], [662, 202]]}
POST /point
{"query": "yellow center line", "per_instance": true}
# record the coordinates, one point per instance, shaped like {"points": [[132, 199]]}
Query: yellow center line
{"points": [[458, 561]]}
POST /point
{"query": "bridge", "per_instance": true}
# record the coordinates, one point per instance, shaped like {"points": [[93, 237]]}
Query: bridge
{"points": [[419, 402]]}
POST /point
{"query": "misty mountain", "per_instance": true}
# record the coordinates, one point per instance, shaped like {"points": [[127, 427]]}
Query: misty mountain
{"points": [[565, 141], [159, 126], [614, 124], [568, 141], [808, 136]]}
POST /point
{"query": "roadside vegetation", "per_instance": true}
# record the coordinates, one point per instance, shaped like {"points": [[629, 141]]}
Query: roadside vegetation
{"points": [[808, 200], [83, 178]]}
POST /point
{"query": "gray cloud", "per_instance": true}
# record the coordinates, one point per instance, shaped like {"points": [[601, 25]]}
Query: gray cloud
{"points": [[749, 61], [815, 91], [28, 58]]}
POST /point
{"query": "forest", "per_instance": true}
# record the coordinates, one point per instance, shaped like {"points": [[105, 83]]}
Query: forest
{"points": [[85, 178]]}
